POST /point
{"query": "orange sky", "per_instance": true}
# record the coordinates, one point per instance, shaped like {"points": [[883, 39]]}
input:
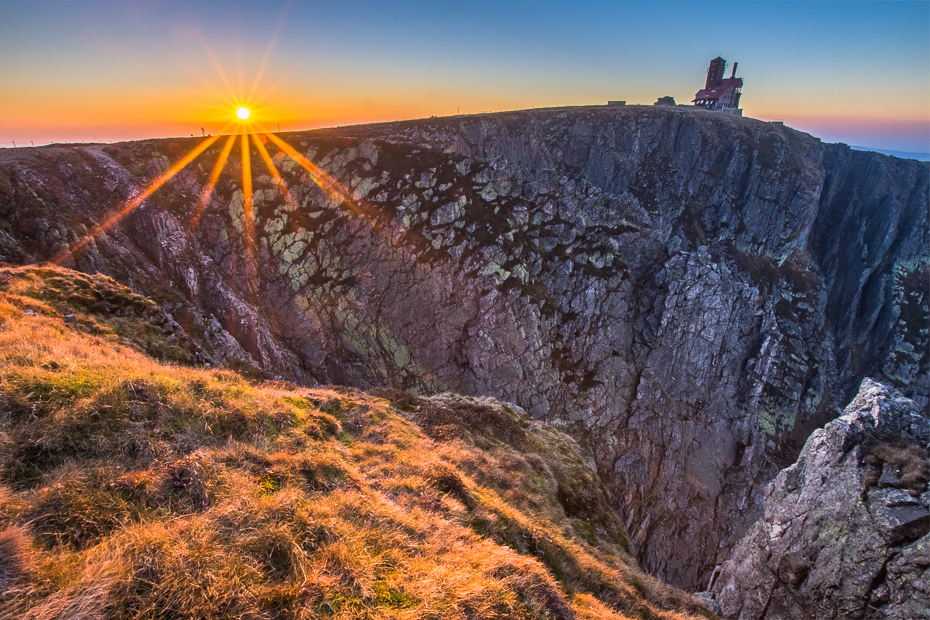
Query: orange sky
{"points": [[857, 72]]}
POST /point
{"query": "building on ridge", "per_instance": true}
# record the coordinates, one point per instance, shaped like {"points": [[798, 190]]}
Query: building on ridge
{"points": [[720, 94]]}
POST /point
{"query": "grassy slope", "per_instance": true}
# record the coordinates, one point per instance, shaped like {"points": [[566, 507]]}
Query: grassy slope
{"points": [[136, 488]]}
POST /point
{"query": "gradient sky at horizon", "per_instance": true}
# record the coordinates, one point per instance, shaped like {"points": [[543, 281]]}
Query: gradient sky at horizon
{"points": [[100, 70]]}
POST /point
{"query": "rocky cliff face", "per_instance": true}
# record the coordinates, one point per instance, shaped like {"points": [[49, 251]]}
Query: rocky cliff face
{"points": [[846, 530], [686, 293]]}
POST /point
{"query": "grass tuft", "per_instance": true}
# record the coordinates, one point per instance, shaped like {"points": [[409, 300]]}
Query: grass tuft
{"points": [[910, 463]]}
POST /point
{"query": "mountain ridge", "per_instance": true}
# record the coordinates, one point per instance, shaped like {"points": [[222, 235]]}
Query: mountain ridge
{"points": [[688, 294]]}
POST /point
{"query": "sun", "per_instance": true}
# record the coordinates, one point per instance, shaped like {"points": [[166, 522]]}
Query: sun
{"points": [[243, 113]]}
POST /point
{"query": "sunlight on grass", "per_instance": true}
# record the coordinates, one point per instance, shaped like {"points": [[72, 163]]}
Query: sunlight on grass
{"points": [[133, 488]]}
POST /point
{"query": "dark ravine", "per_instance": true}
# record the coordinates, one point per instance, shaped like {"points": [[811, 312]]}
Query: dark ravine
{"points": [[686, 293]]}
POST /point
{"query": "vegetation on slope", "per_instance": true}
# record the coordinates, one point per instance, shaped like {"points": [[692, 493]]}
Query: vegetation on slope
{"points": [[135, 488]]}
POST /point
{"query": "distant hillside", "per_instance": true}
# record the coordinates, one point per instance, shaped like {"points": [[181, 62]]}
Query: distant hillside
{"points": [[901, 154]]}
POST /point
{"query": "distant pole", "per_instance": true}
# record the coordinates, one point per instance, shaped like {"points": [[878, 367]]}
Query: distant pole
{"points": [[33, 143], [14, 144], [203, 133], [279, 127]]}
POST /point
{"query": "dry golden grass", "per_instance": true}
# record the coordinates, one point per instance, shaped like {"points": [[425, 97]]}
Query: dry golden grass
{"points": [[130, 488], [910, 462]]}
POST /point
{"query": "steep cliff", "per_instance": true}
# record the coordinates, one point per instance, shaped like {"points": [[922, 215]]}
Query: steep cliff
{"points": [[687, 294], [846, 530]]}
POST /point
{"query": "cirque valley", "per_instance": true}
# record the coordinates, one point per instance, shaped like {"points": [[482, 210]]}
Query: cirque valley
{"points": [[688, 295]]}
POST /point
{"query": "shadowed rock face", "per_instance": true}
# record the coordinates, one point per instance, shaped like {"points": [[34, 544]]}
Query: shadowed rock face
{"points": [[846, 530], [688, 294]]}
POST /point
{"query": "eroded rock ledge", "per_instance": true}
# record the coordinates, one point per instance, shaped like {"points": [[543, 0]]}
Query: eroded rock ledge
{"points": [[846, 529]]}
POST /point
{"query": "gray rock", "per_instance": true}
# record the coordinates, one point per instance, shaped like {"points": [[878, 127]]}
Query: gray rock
{"points": [[447, 213], [707, 599], [830, 543], [890, 476], [897, 515]]}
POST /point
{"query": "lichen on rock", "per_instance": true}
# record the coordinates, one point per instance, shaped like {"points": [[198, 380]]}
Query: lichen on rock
{"points": [[845, 532]]}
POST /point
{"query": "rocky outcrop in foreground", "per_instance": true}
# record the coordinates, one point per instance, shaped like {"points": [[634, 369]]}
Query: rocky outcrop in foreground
{"points": [[846, 529]]}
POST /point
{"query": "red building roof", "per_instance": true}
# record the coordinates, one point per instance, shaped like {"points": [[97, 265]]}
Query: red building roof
{"points": [[718, 92]]}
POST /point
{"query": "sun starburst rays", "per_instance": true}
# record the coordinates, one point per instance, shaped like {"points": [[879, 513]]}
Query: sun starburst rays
{"points": [[207, 192], [337, 193], [247, 199], [266, 57], [330, 186], [246, 118], [140, 198], [249, 130], [273, 170], [231, 93]]}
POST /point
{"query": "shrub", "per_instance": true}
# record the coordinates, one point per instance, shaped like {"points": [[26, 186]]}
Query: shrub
{"points": [[910, 460]]}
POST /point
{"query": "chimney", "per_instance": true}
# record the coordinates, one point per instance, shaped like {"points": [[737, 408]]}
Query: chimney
{"points": [[733, 75]]}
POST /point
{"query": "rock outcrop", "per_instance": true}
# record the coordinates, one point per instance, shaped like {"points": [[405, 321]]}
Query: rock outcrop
{"points": [[688, 294], [846, 530]]}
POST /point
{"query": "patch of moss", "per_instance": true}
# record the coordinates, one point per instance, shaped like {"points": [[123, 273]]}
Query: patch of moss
{"points": [[269, 484], [300, 403], [392, 598]]}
